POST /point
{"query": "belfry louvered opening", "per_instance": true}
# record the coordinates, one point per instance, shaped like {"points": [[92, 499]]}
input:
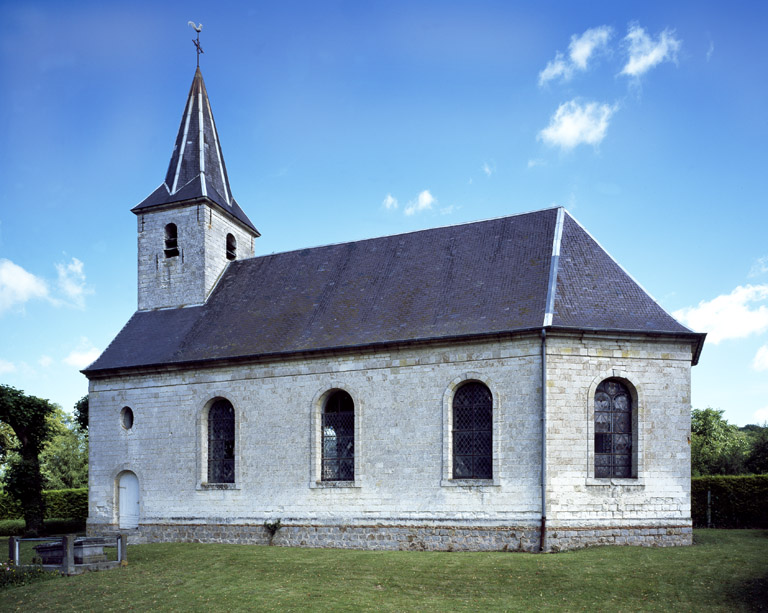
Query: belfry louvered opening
{"points": [[473, 432], [171, 241], [231, 247], [338, 441], [221, 442]]}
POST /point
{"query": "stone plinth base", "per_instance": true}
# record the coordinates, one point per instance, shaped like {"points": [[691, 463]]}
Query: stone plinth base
{"points": [[408, 537]]}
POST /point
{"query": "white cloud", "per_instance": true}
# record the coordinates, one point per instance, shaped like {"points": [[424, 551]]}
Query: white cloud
{"points": [[72, 282], [711, 50], [424, 202], [17, 286], [581, 49], [389, 202], [574, 123], [556, 68], [761, 415], [45, 361], [731, 315], [489, 169], [761, 359], [83, 355], [760, 267], [535, 162], [6, 367], [447, 210], [645, 53]]}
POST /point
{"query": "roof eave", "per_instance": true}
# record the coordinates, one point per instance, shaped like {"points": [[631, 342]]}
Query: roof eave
{"points": [[260, 357], [695, 338], [139, 210]]}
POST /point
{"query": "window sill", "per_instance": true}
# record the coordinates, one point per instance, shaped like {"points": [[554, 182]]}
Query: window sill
{"points": [[469, 483], [335, 484], [218, 486], [638, 482]]}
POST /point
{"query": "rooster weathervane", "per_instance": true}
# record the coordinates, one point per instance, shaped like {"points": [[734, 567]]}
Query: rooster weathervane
{"points": [[197, 42]]}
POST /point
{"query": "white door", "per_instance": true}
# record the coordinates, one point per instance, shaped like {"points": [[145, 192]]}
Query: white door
{"points": [[128, 501]]}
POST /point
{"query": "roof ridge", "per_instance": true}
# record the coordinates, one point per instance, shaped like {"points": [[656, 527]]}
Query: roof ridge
{"points": [[626, 272], [372, 238]]}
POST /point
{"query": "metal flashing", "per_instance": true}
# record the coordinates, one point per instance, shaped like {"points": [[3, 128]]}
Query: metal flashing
{"points": [[183, 144], [557, 238]]}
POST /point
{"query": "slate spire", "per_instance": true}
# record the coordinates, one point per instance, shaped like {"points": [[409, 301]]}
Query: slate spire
{"points": [[197, 168]]}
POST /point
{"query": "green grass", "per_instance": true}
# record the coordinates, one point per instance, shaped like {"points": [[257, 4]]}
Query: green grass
{"points": [[724, 571]]}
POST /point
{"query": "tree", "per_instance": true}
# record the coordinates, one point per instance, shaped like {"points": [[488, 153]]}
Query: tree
{"points": [[28, 418], [64, 457], [717, 447], [8, 443], [81, 413], [757, 460]]}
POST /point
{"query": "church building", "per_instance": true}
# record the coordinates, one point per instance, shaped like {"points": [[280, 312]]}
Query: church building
{"points": [[495, 385]]}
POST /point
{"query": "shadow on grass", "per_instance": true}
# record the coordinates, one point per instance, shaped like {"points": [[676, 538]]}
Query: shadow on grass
{"points": [[752, 595], [15, 527]]}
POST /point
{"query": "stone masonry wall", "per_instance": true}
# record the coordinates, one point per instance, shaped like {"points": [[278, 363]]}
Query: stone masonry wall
{"points": [[658, 375], [403, 494]]}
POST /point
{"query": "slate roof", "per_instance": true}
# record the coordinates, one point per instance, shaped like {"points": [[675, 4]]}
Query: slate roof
{"points": [[191, 175], [501, 276]]}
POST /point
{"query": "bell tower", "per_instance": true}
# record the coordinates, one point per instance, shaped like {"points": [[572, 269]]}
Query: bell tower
{"points": [[190, 227]]}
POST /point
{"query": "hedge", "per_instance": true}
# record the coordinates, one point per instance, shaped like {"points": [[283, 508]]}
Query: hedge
{"points": [[64, 504], [739, 501]]}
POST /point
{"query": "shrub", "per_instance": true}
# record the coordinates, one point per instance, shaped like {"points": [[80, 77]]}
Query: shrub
{"points": [[11, 575], [9, 507], [738, 501], [69, 504]]}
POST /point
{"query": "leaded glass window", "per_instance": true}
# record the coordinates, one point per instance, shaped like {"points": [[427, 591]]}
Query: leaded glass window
{"points": [[221, 442], [472, 432], [338, 424], [613, 430]]}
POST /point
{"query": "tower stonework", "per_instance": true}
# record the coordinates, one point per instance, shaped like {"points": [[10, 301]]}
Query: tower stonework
{"points": [[190, 227], [187, 277]]}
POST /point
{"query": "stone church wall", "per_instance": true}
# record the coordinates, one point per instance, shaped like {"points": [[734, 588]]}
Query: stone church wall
{"points": [[403, 496], [657, 499]]}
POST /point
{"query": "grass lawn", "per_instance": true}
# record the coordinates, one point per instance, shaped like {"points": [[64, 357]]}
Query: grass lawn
{"points": [[726, 570]]}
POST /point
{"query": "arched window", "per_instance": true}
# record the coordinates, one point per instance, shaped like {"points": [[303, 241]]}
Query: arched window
{"points": [[338, 441], [171, 241], [613, 430], [231, 247], [473, 432], [221, 442]]}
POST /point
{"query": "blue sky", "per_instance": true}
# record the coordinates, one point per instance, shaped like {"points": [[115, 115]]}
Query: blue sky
{"points": [[347, 120]]}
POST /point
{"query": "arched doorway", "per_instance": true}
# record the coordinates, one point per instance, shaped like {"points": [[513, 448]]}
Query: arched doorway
{"points": [[128, 501]]}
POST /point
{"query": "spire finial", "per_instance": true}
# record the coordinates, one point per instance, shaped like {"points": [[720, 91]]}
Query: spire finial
{"points": [[197, 42]]}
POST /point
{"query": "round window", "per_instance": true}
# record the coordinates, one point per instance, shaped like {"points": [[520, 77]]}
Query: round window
{"points": [[126, 418]]}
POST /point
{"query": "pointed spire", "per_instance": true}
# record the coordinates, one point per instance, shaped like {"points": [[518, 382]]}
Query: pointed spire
{"points": [[197, 167]]}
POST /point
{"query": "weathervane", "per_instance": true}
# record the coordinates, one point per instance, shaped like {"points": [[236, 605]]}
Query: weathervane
{"points": [[197, 42]]}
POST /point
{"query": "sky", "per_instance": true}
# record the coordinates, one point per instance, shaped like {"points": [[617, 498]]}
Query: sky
{"points": [[347, 120]]}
